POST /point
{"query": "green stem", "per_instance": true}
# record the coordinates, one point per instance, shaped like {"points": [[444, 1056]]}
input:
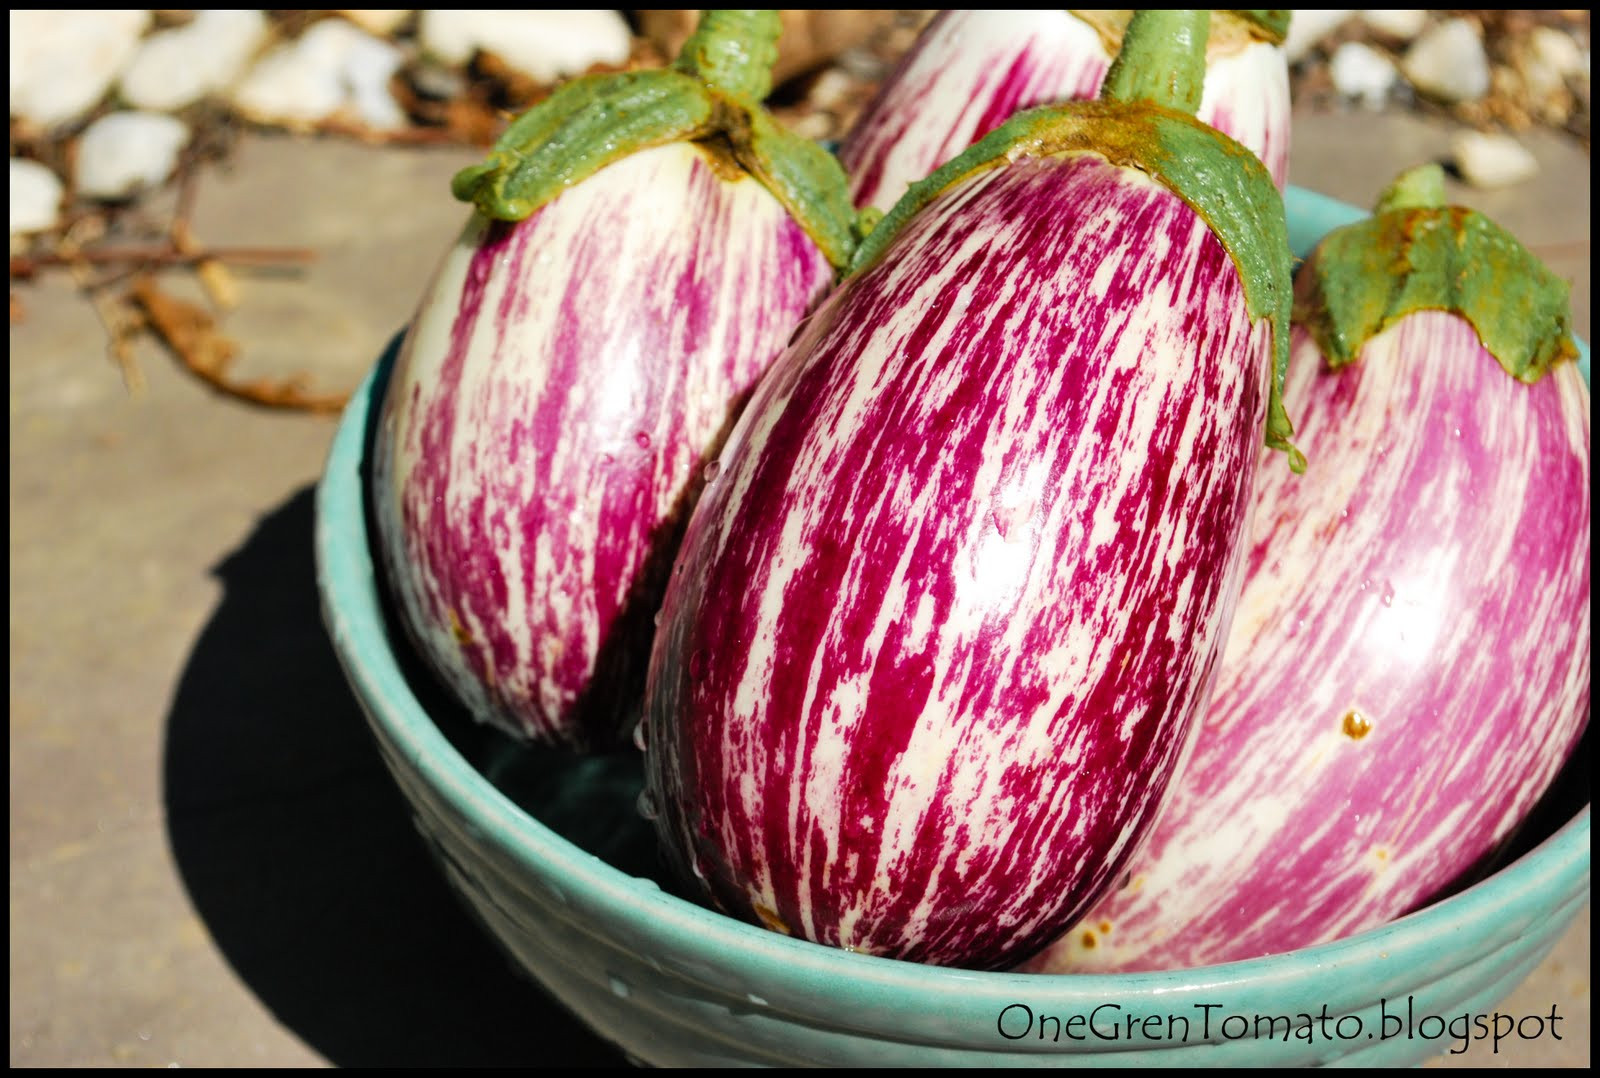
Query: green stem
{"points": [[1163, 60], [733, 52], [1420, 188]]}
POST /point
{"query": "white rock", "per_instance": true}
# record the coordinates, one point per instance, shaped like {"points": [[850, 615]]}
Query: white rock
{"points": [[1488, 160], [379, 23], [1448, 62], [177, 67], [832, 89], [288, 87], [544, 45], [35, 197], [1307, 28], [1558, 52], [63, 62], [1363, 73], [1401, 24], [124, 153], [369, 65], [334, 68]]}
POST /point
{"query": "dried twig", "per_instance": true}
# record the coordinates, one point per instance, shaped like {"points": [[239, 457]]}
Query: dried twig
{"points": [[160, 255], [192, 335], [120, 327], [214, 276]]}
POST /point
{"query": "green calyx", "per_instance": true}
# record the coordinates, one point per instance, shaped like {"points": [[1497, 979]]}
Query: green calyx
{"points": [[1135, 125], [711, 94], [1417, 253], [579, 129]]}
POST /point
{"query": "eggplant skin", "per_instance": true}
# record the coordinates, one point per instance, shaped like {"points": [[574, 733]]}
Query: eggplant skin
{"points": [[969, 71], [1407, 671], [545, 428], [943, 617]]}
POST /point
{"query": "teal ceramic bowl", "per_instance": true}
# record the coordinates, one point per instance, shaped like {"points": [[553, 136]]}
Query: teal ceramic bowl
{"points": [[549, 852]]}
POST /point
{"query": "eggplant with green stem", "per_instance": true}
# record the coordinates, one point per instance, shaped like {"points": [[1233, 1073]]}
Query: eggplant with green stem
{"points": [[1409, 667], [642, 246], [943, 619], [969, 70]]}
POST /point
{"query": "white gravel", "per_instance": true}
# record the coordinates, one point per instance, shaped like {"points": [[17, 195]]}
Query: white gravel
{"points": [[64, 62], [1363, 74], [541, 44], [124, 153], [1448, 62], [178, 67], [334, 69], [35, 197], [1488, 161]]}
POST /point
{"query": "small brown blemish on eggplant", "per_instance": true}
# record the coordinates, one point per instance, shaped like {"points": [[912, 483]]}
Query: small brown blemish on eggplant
{"points": [[770, 918], [459, 631], [1355, 725], [1089, 941]]}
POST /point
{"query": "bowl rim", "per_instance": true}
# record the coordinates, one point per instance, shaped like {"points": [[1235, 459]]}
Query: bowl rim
{"points": [[352, 614]]}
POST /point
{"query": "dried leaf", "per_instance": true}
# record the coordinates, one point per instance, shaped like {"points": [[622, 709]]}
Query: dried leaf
{"points": [[192, 335]]}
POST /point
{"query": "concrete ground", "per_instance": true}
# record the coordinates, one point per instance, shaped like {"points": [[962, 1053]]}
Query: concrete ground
{"points": [[209, 866]]}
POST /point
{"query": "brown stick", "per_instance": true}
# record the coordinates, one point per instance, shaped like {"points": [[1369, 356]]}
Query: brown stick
{"points": [[119, 323], [213, 274], [26, 265]]}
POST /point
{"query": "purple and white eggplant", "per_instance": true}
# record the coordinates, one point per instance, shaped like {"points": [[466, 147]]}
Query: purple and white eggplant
{"points": [[941, 620], [969, 71], [644, 245], [1409, 666]]}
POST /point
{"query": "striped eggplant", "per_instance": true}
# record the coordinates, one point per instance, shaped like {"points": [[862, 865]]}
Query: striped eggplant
{"points": [[642, 247], [968, 71], [942, 618], [1410, 661]]}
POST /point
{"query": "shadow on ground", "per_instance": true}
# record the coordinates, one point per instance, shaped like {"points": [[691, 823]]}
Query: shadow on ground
{"points": [[299, 854]]}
